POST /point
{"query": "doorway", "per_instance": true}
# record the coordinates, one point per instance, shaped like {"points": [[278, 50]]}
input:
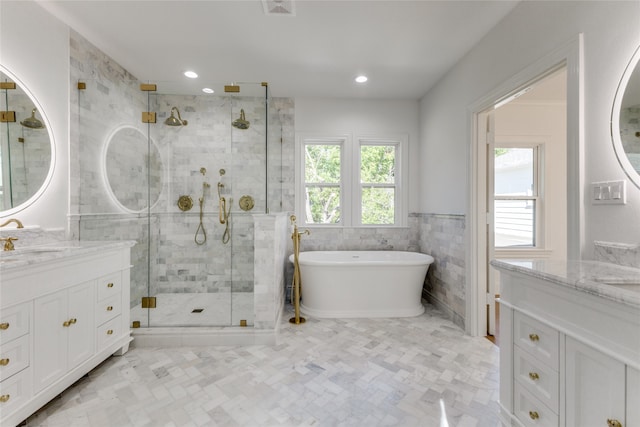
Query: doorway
{"points": [[522, 182]]}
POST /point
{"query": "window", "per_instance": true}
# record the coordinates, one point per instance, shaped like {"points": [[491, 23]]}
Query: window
{"points": [[347, 181], [517, 201]]}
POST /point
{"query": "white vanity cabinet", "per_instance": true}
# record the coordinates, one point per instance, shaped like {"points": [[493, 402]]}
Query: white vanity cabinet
{"points": [[61, 314], [569, 349], [64, 335]]}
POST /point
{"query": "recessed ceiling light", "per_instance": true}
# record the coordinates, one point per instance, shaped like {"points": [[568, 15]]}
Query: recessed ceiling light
{"points": [[361, 79], [191, 74], [207, 90]]}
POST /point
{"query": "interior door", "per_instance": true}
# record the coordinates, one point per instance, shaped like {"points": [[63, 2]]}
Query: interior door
{"points": [[491, 278]]}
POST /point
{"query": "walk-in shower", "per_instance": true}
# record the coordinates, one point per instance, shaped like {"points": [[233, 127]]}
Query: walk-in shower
{"points": [[178, 280]]}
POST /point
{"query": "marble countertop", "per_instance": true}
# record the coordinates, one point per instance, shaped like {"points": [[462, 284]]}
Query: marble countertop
{"points": [[36, 254], [610, 281]]}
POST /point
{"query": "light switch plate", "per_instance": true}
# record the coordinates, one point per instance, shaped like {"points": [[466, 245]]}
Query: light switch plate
{"points": [[609, 192]]}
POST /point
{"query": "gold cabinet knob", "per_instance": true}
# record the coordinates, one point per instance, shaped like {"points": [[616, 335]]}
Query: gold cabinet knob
{"points": [[109, 285], [613, 423], [110, 308], [4, 398], [110, 332], [534, 337], [534, 376], [533, 415], [73, 321], [4, 326], [4, 362]]}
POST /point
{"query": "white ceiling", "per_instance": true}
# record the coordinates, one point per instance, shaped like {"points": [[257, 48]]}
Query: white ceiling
{"points": [[404, 47]]}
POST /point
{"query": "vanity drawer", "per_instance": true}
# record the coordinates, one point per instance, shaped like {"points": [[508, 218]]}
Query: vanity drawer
{"points": [[539, 379], [109, 285], [14, 322], [14, 357], [537, 339], [108, 308], [109, 332], [530, 411], [14, 392]]}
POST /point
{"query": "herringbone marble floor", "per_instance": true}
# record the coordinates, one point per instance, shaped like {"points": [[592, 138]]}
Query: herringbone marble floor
{"points": [[420, 371]]}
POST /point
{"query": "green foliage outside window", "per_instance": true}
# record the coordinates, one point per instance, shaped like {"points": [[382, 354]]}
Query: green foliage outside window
{"points": [[322, 177]]}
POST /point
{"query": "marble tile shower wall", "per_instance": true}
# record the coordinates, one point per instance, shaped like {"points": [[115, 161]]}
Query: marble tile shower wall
{"points": [[177, 264]]}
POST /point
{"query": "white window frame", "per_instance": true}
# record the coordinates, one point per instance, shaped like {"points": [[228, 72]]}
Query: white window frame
{"points": [[537, 196], [350, 186]]}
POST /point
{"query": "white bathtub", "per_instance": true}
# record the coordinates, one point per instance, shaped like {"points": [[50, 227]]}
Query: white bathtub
{"points": [[340, 284]]}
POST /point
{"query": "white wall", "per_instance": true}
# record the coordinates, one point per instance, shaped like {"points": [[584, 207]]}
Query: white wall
{"points": [[535, 29], [34, 46], [341, 115]]}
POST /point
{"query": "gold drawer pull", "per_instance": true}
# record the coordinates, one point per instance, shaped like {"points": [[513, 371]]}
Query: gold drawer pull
{"points": [[4, 398], [69, 322], [613, 423], [534, 337], [4, 362], [110, 308], [110, 332], [534, 376], [4, 326], [109, 285], [533, 415]]}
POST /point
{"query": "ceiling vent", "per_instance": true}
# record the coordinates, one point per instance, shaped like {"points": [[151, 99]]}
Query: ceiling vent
{"points": [[279, 7]]}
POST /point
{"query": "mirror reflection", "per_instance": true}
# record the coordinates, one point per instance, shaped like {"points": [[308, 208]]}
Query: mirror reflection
{"points": [[25, 146], [628, 102], [134, 174]]}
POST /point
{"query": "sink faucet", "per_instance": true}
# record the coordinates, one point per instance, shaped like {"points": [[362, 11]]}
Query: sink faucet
{"points": [[8, 243], [14, 220]]}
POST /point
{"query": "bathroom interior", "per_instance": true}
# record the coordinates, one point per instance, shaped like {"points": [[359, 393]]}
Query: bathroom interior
{"points": [[202, 185]]}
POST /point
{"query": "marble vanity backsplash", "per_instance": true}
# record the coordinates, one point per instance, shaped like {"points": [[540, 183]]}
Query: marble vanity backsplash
{"points": [[624, 254], [33, 235]]}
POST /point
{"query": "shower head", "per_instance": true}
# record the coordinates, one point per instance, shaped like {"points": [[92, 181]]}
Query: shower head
{"points": [[241, 123], [32, 122], [173, 121]]}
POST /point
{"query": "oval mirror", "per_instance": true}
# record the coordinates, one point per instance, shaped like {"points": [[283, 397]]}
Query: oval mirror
{"points": [[625, 120], [130, 162], [26, 146]]}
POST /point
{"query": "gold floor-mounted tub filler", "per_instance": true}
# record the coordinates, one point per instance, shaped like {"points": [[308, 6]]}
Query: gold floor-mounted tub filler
{"points": [[295, 289]]}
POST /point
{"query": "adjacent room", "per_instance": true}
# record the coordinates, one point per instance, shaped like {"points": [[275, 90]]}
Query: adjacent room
{"points": [[306, 212]]}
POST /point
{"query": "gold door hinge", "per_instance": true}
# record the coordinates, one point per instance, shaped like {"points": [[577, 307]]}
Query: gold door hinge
{"points": [[7, 85], [148, 302], [7, 116], [148, 117], [232, 88], [82, 85], [243, 322], [148, 87]]}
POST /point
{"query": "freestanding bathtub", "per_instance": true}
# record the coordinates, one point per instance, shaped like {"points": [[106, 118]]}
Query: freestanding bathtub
{"points": [[340, 284]]}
